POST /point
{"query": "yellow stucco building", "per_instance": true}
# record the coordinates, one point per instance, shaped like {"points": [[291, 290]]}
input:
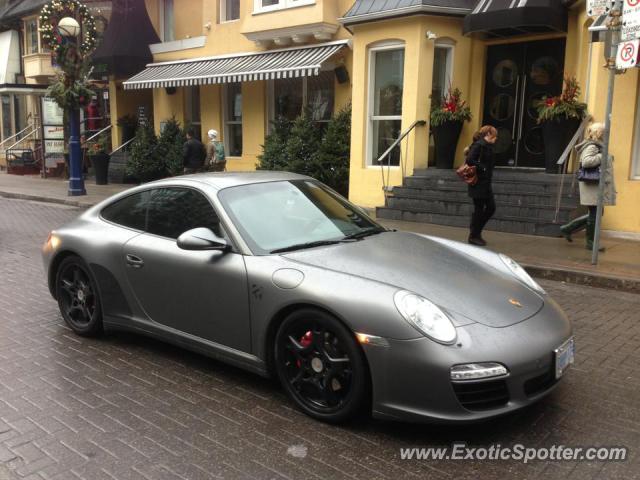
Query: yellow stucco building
{"points": [[395, 58]]}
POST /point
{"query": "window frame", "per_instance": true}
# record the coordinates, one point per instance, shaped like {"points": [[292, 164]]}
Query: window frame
{"points": [[162, 18], [223, 12], [226, 121], [26, 21], [120, 199], [281, 5], [394, 45], [450, 48], [271, 99]]}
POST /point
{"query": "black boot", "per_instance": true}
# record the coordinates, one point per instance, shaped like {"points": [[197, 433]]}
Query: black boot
{"points": [[574, 226], [590, 234]]}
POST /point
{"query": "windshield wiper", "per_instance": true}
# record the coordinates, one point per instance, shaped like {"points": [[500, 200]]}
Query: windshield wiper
{"points": [[320, 243], [365, 233]]}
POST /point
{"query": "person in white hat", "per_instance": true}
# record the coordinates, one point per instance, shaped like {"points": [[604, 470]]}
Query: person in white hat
{"points": [[216, 159]]}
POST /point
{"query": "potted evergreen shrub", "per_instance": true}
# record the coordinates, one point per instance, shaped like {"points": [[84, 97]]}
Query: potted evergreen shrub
{"points": [[560, 117], [97, 151], [447, 119]]}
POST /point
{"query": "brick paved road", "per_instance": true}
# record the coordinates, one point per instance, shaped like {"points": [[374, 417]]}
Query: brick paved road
{"points": [[126, 407]]}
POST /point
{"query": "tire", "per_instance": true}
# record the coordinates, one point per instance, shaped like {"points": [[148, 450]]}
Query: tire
{"points": [[78, 297], [328, 380]]}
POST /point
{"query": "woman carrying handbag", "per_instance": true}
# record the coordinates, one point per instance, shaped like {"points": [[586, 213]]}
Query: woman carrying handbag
{"points": [[590, 152], [480, 156]]}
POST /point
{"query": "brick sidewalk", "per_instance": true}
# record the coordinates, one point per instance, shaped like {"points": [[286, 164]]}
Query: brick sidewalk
{"points": [[128, 408]]}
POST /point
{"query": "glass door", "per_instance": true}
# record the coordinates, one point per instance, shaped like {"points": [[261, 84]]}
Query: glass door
{"points": [[518, 75]]}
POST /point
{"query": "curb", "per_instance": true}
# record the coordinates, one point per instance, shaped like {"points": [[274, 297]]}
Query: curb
{"points": [[39, 198], [583, 278], [577, 277]]}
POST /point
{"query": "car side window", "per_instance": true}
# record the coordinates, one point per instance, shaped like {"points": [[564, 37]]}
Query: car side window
{"points": [[130, 211], [173, 211]]}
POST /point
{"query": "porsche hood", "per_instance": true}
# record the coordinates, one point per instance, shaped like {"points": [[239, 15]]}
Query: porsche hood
{"points": [[446, 276]]}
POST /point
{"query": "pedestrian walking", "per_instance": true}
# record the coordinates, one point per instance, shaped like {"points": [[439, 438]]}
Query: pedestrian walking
{"points": [[590, 154], [216, 159], [480, 155], [193, 154]]}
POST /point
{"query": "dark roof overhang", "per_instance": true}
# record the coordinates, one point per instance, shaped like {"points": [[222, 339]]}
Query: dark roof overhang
{"points": [[506, 18]]}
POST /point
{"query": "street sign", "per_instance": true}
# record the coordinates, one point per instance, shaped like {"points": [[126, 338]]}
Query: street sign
{"points": [[596, 8], [630, 19], [627, 54]]}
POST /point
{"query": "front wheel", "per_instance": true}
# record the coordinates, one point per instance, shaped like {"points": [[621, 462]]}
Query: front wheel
{"points": [[321, 366], [78, 297]]}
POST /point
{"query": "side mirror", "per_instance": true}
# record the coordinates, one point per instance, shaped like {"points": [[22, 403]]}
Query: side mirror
{"points": [[202, 239]]}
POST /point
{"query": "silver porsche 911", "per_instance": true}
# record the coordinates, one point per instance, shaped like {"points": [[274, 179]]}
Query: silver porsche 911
{"points": [[278, 274]]}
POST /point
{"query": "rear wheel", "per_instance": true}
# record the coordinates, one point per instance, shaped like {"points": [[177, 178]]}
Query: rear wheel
{"points": [[321, 366], [78, 297]]}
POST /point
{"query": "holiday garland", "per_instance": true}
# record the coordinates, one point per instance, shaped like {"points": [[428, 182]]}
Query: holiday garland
{"points": [[54, 11]]}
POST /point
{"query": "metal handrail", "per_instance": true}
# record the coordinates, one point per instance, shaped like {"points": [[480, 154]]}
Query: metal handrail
{"points": [[35, 129], [123, 145], [563, 164], [16, 134], [97, 134], [387, 153]]}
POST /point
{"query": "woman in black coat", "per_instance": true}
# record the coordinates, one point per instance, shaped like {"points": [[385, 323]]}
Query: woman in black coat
{"points": [[480, 155]]}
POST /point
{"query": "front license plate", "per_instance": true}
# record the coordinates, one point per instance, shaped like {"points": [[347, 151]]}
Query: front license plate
{"points": [[564, 356]]}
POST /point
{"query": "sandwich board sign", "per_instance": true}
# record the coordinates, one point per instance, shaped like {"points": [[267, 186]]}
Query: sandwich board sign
{"points": [[630, 20]]}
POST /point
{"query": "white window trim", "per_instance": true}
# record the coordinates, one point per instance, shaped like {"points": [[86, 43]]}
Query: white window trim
{"points": [[161, 19], [226, 122], [370, 100], [281, 5], [449, 67], [223, 13], [25, 22]]}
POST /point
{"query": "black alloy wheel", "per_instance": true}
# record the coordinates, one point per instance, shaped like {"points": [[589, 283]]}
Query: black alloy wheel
{"points": [[321, 366], [78, 297]]}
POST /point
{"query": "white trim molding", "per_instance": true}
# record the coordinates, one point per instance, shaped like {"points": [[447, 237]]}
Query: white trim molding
{"points": [[321, 31], [281, 5], [177, 45]]}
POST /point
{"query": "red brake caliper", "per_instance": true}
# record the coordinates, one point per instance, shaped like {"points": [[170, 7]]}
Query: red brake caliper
{"points": [[305, 341]]}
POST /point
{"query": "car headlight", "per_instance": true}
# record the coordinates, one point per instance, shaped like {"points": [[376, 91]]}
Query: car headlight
{"points": [[521, 273], [425, 317]]}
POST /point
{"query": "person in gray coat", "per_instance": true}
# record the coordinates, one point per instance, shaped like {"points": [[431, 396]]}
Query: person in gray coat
{"points": [[590, 152]]}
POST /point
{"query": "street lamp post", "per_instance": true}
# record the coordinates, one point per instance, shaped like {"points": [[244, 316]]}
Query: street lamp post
{"points": [[70, 29]]}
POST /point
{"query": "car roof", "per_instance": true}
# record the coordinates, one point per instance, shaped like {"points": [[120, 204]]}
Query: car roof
{"points": [[231, 179]]}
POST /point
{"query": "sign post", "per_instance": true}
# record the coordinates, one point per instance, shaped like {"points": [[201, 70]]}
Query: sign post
{"points": [[614, 25]]}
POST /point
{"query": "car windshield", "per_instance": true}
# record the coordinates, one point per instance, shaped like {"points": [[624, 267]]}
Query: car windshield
{"points": [[291, 215]]}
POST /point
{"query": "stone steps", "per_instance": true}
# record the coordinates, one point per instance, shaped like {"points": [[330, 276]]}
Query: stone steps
{"points": [[525, 200]]}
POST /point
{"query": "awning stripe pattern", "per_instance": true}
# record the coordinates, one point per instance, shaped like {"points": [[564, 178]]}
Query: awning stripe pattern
{"points": [[269, 65]]}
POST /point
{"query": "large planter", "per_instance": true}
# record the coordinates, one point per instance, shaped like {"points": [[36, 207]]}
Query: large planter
{"points": [[128, 132], [446, 137], [101, 165], [556, 135]]}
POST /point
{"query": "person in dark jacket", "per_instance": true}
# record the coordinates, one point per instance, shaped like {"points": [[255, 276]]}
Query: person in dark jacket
{"points": [[480, 155], [193, 154]]}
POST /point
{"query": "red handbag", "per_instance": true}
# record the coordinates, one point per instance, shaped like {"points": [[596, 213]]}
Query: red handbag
{"points": [[468, 174]]}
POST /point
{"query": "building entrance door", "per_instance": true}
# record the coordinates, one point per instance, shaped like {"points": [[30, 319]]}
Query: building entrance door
{"points": [[518, 75]]}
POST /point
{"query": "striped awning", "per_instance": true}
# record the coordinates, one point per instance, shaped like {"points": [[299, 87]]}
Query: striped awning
{"points": [[243, 67]]}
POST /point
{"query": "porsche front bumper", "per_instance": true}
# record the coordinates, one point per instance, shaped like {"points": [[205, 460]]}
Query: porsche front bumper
{"points": [[411, 378]]}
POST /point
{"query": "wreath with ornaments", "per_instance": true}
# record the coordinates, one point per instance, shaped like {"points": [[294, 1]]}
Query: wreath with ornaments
{"points": [[54, 11]]}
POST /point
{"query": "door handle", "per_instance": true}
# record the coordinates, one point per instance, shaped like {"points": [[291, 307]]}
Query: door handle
{"points": [[133, 261], [522, 106], [515, 110]]}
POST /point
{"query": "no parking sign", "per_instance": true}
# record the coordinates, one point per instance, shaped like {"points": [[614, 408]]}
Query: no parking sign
{"points": [[627, 54]]}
